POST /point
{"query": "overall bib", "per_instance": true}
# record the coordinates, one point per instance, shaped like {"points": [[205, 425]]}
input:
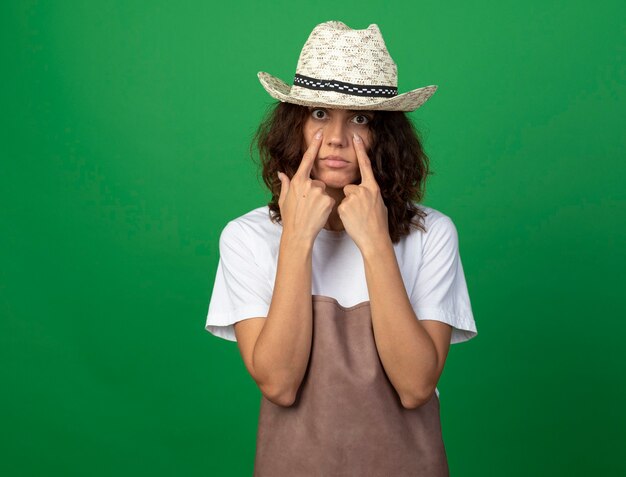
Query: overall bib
{"points": [[348, 420]]}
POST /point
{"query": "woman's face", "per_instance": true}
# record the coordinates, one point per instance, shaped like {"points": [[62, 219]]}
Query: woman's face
{"points": [[336, 164]]}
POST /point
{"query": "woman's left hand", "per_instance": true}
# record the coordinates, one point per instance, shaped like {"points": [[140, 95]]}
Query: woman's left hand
{"points": [[363, 211]]}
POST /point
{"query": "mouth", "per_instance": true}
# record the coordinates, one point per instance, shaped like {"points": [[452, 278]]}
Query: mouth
{"points": [[334, 161]]}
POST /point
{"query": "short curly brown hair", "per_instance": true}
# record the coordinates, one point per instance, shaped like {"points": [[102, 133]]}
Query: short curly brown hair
{"points": [[398, 159]]}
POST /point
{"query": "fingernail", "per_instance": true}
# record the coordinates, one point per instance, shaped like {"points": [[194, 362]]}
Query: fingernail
{"points": [[318, 134], [278, 174], [357, 138]]}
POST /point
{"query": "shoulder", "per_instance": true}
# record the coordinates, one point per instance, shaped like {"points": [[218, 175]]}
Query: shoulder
{"points": [[252, 227], [436, 221]]}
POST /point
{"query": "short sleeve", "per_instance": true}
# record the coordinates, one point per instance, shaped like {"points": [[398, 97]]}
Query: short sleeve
{"points": [[440, 291], [241, 290]]}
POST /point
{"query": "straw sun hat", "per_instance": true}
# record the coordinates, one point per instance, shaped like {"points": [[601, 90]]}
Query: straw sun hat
{"points": [[344, 68]]}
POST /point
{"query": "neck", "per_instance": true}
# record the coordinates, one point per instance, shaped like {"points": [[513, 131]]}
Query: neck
{"points": [[334, 222]]}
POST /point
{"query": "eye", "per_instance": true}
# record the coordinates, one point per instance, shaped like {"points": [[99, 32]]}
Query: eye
{"points": [[318, 113], [360, 119]]}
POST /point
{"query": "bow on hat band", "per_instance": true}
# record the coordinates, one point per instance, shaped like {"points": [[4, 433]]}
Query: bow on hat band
{"points": [[373, 91]]}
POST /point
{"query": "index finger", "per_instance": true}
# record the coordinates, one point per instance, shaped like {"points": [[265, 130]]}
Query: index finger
{"points": [[365, 165], [308, 158]]}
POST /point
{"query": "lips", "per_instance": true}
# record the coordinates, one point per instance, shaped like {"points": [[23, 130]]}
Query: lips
{"points": [[335, 162], [333, 158]]}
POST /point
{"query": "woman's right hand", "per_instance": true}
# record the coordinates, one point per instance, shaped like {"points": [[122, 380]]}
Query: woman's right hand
{"points": [[304, 203]]}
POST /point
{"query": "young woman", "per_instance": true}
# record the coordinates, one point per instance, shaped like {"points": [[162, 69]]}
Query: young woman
{"points": [[343, 293]]}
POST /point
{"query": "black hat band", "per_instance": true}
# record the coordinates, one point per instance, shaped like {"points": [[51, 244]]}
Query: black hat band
{"points": [[345, 88]]}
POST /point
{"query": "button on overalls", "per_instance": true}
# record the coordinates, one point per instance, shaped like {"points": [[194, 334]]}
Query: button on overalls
{"points": [[348, 419]]}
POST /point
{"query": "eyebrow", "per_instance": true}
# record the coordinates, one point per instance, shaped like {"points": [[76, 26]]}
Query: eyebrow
{"points": [[359, 111], [364, 112]]}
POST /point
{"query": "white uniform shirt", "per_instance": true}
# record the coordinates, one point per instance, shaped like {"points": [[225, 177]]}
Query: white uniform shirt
{"points": [[430, 265]]}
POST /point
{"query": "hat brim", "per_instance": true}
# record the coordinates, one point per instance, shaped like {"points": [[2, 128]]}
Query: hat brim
{"points": [[278, 89]]}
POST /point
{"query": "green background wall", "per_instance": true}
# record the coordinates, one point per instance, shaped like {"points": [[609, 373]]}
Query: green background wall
{"points": [[124, 139]]}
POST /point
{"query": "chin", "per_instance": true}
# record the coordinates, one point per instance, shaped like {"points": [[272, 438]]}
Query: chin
{"points": [[335, 179]]}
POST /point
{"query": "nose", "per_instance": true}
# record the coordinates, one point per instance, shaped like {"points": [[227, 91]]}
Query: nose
{"points": [[336, 133]]}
